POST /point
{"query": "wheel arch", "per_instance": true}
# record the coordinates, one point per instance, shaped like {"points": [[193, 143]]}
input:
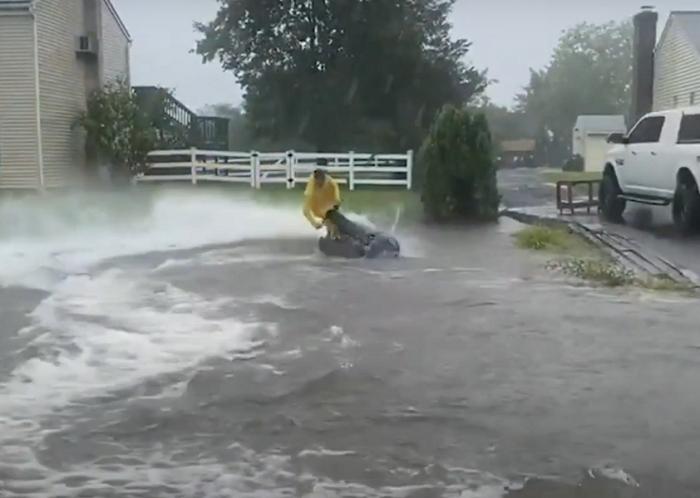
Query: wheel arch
{"points": [[609, 169], [685, 176]]}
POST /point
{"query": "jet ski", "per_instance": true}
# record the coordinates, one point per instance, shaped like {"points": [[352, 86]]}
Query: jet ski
{"points": [[357, 241]]}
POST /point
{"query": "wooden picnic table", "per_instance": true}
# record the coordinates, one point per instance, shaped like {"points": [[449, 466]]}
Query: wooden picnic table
{"points": [[569, 202]]}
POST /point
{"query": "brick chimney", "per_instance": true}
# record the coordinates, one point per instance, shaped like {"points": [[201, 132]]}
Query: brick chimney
{"points": [[643, 72]]}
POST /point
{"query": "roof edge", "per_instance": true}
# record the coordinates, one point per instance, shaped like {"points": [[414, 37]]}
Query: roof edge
{"points": [[684, 30], [117, 17], [664, 33]]}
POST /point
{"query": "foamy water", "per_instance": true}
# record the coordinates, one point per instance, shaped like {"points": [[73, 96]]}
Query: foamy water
{"points": [[106, 327], [114, 330], [44, 240], [103, 330]]}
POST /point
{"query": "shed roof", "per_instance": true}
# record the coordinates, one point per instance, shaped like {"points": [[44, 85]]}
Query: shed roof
{"points": [[522, 145], [600, 124]]}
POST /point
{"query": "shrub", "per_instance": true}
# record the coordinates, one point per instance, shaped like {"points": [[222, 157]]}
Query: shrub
{"points": [[458, 174], [541, 238], [118, 130], [575, 163]]}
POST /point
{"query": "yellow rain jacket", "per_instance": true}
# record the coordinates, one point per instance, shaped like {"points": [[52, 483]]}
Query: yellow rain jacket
{"points": [[318, 201]]}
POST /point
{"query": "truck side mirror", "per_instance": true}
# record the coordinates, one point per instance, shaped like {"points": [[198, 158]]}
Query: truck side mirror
{"points": [[618, 138]]}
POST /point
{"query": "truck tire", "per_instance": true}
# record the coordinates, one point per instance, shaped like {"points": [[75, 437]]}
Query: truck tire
{"points": [[611, 206], [686, 207]]}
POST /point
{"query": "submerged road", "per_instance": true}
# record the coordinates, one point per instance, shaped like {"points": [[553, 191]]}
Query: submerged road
{"points": [[258, 368]]}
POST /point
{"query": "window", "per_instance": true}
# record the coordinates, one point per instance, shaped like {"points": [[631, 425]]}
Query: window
{"points": [[692, 98], [647, 130], [690, 129]]}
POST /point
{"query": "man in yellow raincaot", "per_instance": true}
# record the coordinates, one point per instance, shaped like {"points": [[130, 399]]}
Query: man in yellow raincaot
{"points": [[321, 196]]}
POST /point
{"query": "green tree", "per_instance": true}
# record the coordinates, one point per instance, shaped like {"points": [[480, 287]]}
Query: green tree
{"points": [[506, 124], [459, 180], [590, 73], [118, 130], [327, 71]]}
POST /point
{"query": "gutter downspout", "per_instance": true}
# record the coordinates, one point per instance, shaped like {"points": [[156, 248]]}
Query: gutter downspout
{"points": [[37, 92]]}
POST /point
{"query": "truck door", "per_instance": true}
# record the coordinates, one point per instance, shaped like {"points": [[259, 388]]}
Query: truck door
{"points": [[686, 152], [662, 173], [642, 152]]}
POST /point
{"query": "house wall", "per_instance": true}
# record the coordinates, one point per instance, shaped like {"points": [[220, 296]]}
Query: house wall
{"points": [[63, 93], [91, 28], [677, 73], [19, 158], [65, 79], [114, 46]]}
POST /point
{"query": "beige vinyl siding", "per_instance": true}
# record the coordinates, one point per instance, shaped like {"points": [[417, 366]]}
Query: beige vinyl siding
{"points": [[114, 47], [62, 84], [91, 29], [19, 159], [677, 71]]}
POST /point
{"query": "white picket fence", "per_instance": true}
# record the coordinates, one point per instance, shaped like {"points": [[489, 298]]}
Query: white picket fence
{"points": [[288, 168]]}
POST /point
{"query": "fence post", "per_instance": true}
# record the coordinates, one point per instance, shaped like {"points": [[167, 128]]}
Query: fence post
{"points": [[253, 169], [409, 170], [351, 173], [193, 162], [291, 178], [256, 161]]}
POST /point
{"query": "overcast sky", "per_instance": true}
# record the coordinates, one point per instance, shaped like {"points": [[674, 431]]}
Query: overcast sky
{"points": [[508, 36]]}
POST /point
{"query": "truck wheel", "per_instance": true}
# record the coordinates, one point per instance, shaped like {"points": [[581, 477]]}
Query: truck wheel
{"points": [[611, 205], [686, 208]]}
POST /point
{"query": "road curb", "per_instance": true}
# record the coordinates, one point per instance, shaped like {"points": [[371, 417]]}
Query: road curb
{"points": [[624, 250]]}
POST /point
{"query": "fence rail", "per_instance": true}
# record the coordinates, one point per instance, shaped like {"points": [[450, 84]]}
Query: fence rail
{"points": [[289, 168]]}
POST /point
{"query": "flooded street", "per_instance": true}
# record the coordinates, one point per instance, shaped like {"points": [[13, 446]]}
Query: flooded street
{"points": [[205, 349]]}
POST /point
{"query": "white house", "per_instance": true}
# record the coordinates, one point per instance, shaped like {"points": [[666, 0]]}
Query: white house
{"points": [[677, 62], [53, 54], [590, 138]]}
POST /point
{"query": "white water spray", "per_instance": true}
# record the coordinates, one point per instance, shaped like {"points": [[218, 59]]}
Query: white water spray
{"points": [[42, 240]]}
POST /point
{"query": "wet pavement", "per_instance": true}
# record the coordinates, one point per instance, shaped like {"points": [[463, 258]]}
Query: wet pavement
{"points": [[648, 226], [523, 187], [256, 367], [653, 227]]}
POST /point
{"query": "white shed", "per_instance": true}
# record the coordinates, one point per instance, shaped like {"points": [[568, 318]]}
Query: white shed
{"points": [[590, 138]]}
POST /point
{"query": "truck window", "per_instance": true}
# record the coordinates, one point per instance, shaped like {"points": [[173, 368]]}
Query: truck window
{"points": [[647, 130], [690, 129]]}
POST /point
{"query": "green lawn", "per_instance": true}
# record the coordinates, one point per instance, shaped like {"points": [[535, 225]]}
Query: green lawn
{"points": [[362, 200], [554, 176], [375, 200]]}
